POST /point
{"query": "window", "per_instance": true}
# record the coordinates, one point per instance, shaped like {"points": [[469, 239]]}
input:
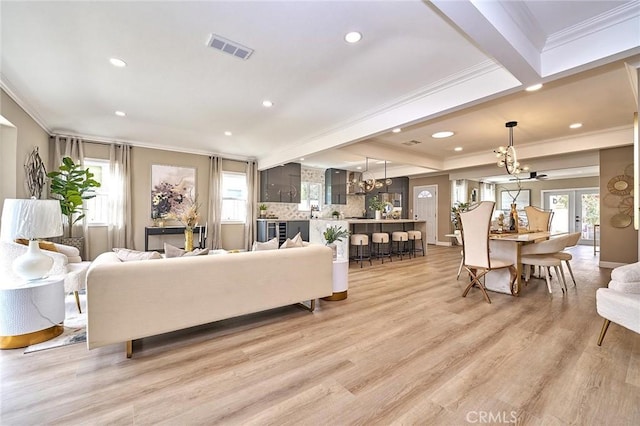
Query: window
{"points": [[310, 196], [97, 208], [234, 197]]}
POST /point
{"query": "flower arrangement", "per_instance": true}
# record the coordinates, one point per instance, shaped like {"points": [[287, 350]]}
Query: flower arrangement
{"points": [[187, 213], [377, 204], [335, 233]]}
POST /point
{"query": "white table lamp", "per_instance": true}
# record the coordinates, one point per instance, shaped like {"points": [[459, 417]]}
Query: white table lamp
{"points": [[31, 219]]}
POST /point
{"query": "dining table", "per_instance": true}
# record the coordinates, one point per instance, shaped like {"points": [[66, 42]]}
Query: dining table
{"points": [[508, 246]]}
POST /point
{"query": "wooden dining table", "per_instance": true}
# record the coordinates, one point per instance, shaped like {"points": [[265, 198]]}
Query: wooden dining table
{"points": [[507, 246]]}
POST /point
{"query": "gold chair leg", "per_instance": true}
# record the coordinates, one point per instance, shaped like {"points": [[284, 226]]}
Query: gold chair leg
{"points": [[475, 279], [78, 301], [605, 327], [311, 307], [129, 348]]}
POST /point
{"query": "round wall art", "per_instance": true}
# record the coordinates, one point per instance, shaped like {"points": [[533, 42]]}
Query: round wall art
{"points": [[620, 185]]}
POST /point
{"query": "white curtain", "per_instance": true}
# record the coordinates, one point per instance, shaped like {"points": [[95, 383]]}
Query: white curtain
{"points": [[119, 215], [252, 207], [214, 220], [68, 146]]}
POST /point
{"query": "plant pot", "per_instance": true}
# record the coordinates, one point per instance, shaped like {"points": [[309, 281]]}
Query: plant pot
{"points": [[334, 249], [378, 215], [263, 213]]}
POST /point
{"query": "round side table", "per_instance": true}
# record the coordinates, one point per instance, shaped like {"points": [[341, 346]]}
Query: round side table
{"points": [[30, 311], [340, 280]]}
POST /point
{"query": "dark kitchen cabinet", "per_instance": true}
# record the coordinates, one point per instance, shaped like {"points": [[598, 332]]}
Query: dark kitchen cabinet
{"points": [[281, 184], [335, 186], [295, 226]]}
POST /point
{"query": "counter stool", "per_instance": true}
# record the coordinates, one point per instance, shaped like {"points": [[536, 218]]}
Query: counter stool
{"points": [[361, 241], [400, 237], [413, 237], [379, 238]]}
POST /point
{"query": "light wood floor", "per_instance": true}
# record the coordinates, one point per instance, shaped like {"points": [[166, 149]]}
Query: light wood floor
{"points": [[404, 348]]}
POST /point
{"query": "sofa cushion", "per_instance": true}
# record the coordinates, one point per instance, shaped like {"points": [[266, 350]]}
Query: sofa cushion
{"points": [[127, 255], [173, 251], [627, 273], [293, 242], [272, 244], [72, 253], [625, 287]]}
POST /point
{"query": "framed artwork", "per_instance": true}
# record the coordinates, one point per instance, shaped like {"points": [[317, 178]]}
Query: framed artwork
{"points": [[522, 201], [170, 187]]}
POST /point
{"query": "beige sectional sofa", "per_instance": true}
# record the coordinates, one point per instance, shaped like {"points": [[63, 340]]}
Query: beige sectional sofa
{"points": [[136, 299]]}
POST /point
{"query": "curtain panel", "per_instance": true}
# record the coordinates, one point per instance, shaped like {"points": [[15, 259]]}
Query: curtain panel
{"points": [[119, 197], [252, 200], [215, 204]]}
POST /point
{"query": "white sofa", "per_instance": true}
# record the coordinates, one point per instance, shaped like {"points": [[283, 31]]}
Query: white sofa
{"points": [[620, 301], [66, 262], [136, 299]]}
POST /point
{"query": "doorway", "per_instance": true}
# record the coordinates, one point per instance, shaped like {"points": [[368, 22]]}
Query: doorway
{"points": [[425, 207], [576, 210]]}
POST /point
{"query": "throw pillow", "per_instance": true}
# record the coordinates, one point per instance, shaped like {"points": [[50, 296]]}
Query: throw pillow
{"points": [[127, 255], [172, 251], [44, 245], [196, 252], [293, 242], [69, 251], [272, 244]]}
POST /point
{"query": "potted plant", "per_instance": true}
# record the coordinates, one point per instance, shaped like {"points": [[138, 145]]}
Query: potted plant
{"points": [[377, 205], [263, 210], [455, 214], [335, 215], [71, 185], [333, 234]]}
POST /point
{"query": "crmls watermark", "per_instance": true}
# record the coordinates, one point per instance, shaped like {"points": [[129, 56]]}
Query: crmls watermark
{"points": [[491, 417]]}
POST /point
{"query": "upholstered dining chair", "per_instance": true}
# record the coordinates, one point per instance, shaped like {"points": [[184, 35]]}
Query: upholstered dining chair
{"points": [[458, 235], [538, 219], [569, 241], [475, 247], [543, 254]]}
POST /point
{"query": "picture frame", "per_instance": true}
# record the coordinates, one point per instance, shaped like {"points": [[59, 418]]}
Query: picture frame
{"points": [[522, 200], [170, 187]]}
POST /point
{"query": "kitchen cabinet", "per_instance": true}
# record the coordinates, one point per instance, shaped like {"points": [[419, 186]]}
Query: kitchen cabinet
{"points": [[399, 185], [335, 186], [281, 184], [295, 226]]}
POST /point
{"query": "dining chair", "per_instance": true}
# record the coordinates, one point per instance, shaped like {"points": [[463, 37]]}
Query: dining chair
{"points": [[538, 219], [542, 254], [570, 240], [476, 257], [458, 235]]}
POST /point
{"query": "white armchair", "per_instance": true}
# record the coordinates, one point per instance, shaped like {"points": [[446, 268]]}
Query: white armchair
{"points": [[66, 262], [620, 302]]}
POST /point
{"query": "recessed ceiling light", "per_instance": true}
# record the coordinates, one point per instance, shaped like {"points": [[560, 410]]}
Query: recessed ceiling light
{"points": [[353, 37], [228, 133], [118, 62], [457, 148], [534, 87], [397, 130], [440, 135], [301, 158], [267, 103], [575, 125], [359, 168], [120, 113]]}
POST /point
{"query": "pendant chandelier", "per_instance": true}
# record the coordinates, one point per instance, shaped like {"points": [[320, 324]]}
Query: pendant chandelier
{"points": [[368, 181], [507, 157], [386, 181]]}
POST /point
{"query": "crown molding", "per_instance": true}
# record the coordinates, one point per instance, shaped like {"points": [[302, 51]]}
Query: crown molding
{"points": [[26, 107]]}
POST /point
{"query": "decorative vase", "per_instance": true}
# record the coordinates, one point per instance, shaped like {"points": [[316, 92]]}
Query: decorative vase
{"points": [[334, 249], [188, 239], [378, 215], [513, 219]]}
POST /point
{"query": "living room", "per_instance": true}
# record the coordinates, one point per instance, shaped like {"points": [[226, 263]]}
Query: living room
{"points": [[386, 373]]}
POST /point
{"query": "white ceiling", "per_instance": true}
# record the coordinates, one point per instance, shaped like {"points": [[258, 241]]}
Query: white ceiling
{"points": [[422, 66]]}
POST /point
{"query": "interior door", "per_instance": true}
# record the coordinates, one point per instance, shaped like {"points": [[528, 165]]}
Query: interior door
{"points": [[425, 207]]}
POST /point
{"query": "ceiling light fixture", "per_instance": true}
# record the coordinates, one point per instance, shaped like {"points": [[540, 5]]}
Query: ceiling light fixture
{"points": [[534, 87], [440, 135], [386, 181], [575, 126], [267, 103], [353, 37], [507, 155], [396, 130], [118, 62], [301, 158], [367, 180], [457, 148], [228, 133], [121, 114]]}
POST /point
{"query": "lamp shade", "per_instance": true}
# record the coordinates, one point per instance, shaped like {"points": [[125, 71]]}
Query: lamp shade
{"points": [[30, 218]]}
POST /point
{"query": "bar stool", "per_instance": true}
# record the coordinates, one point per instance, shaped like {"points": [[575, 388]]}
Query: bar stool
{"points": [[360, 241], [413, 237], [400, 237], [379, 238]]}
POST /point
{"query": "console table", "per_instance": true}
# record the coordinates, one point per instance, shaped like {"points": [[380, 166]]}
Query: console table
{"points": [[174, 230]]}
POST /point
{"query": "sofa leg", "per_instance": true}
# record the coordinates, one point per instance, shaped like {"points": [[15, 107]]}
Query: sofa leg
{"points": [[129, 348], [605, 326], [78, 301], [311, 307]]}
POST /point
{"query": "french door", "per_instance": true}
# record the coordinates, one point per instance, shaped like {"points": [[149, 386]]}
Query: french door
{"points": [[574, 211]]}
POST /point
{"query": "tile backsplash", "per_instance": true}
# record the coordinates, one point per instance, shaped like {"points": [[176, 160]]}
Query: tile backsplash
{"points": [[353, 208]]}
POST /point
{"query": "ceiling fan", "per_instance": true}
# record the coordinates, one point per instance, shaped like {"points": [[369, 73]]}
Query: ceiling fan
{"points": [[531, 176]]}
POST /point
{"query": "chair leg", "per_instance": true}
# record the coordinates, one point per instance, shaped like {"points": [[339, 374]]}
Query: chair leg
{"points": [[570, 272], [546, 277], [605, 327], [475, 279], [560, 274], [460, 268], [78, 301]]}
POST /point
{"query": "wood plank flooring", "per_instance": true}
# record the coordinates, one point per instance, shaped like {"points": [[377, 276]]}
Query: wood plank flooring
{"points": [[404, 348]]}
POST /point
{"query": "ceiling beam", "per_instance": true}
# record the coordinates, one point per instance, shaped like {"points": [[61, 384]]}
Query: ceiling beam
{"points": [[394, 155]]}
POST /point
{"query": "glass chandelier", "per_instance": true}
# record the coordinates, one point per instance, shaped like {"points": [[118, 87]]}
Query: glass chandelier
{"points": [[368, 181], [507, 157]]}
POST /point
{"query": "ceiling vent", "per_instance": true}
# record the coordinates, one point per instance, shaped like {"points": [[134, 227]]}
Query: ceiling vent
{"points": [[410, 143], [230, 47]]}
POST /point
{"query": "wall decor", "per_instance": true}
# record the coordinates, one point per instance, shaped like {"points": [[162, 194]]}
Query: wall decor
{"points": [[35, 173], [522, 199], [620, 185], [170, 187]]}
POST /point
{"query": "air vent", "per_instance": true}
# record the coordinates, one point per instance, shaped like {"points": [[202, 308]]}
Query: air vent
{"points": [[230, 47], [409, 143]]}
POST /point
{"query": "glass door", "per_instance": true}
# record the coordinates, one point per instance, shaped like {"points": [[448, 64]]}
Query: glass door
{"points": [[574, 211]]}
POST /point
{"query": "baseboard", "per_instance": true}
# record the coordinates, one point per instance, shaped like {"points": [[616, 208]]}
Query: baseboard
{"points": [[444, 243], [610, 265]]}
